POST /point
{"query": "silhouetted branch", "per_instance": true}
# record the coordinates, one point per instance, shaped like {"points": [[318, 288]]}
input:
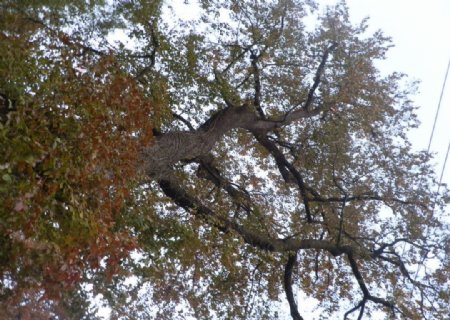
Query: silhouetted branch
{"points": [[287, 170], [362, 285], [152, 56], [288, 286], [318, 75], [256, 83], [182, 119]]}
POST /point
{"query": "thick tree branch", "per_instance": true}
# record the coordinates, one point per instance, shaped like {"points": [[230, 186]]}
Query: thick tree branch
{"points": [[172, 189], [172, 147], [358, 275], [288, 286]]}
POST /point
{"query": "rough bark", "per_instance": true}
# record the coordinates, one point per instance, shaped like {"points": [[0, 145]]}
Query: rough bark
{"points": [[172, 147]]}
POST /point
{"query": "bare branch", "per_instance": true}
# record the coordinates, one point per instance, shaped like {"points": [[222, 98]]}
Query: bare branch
{"points": [[358, 306], [358, 275], [361, 312]]}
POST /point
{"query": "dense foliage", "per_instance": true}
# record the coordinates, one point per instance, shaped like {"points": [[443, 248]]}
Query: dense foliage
{"points": [[72, 126], [210, 166]]}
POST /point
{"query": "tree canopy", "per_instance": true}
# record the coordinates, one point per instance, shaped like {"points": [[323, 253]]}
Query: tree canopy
{"points": [[210, 167]]}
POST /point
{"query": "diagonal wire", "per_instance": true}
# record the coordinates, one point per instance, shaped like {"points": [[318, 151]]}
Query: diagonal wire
{"points": [[445, 162], [434, 125], [439, 106], [443, 166]]}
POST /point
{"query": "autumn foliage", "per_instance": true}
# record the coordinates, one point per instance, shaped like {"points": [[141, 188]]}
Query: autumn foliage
{"points": [[71, 130], [210, 167]]}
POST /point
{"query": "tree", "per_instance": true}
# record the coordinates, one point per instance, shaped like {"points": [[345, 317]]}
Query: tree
{"points": [[210, 166]]}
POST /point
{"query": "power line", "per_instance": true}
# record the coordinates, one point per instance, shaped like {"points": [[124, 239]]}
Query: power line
{"points": [[443, 167], [439, 106], [445, 161], [448, 148]]}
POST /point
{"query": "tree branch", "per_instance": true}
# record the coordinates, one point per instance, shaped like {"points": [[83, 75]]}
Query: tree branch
{"points": [[286, 170], [363, 287], [152, 56], [239, 56], [256, 84], [172, 147], [208, 171], [361, 197], [172, 189], [288, 286], [318, 75], [182, 119], [359, 305]]}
